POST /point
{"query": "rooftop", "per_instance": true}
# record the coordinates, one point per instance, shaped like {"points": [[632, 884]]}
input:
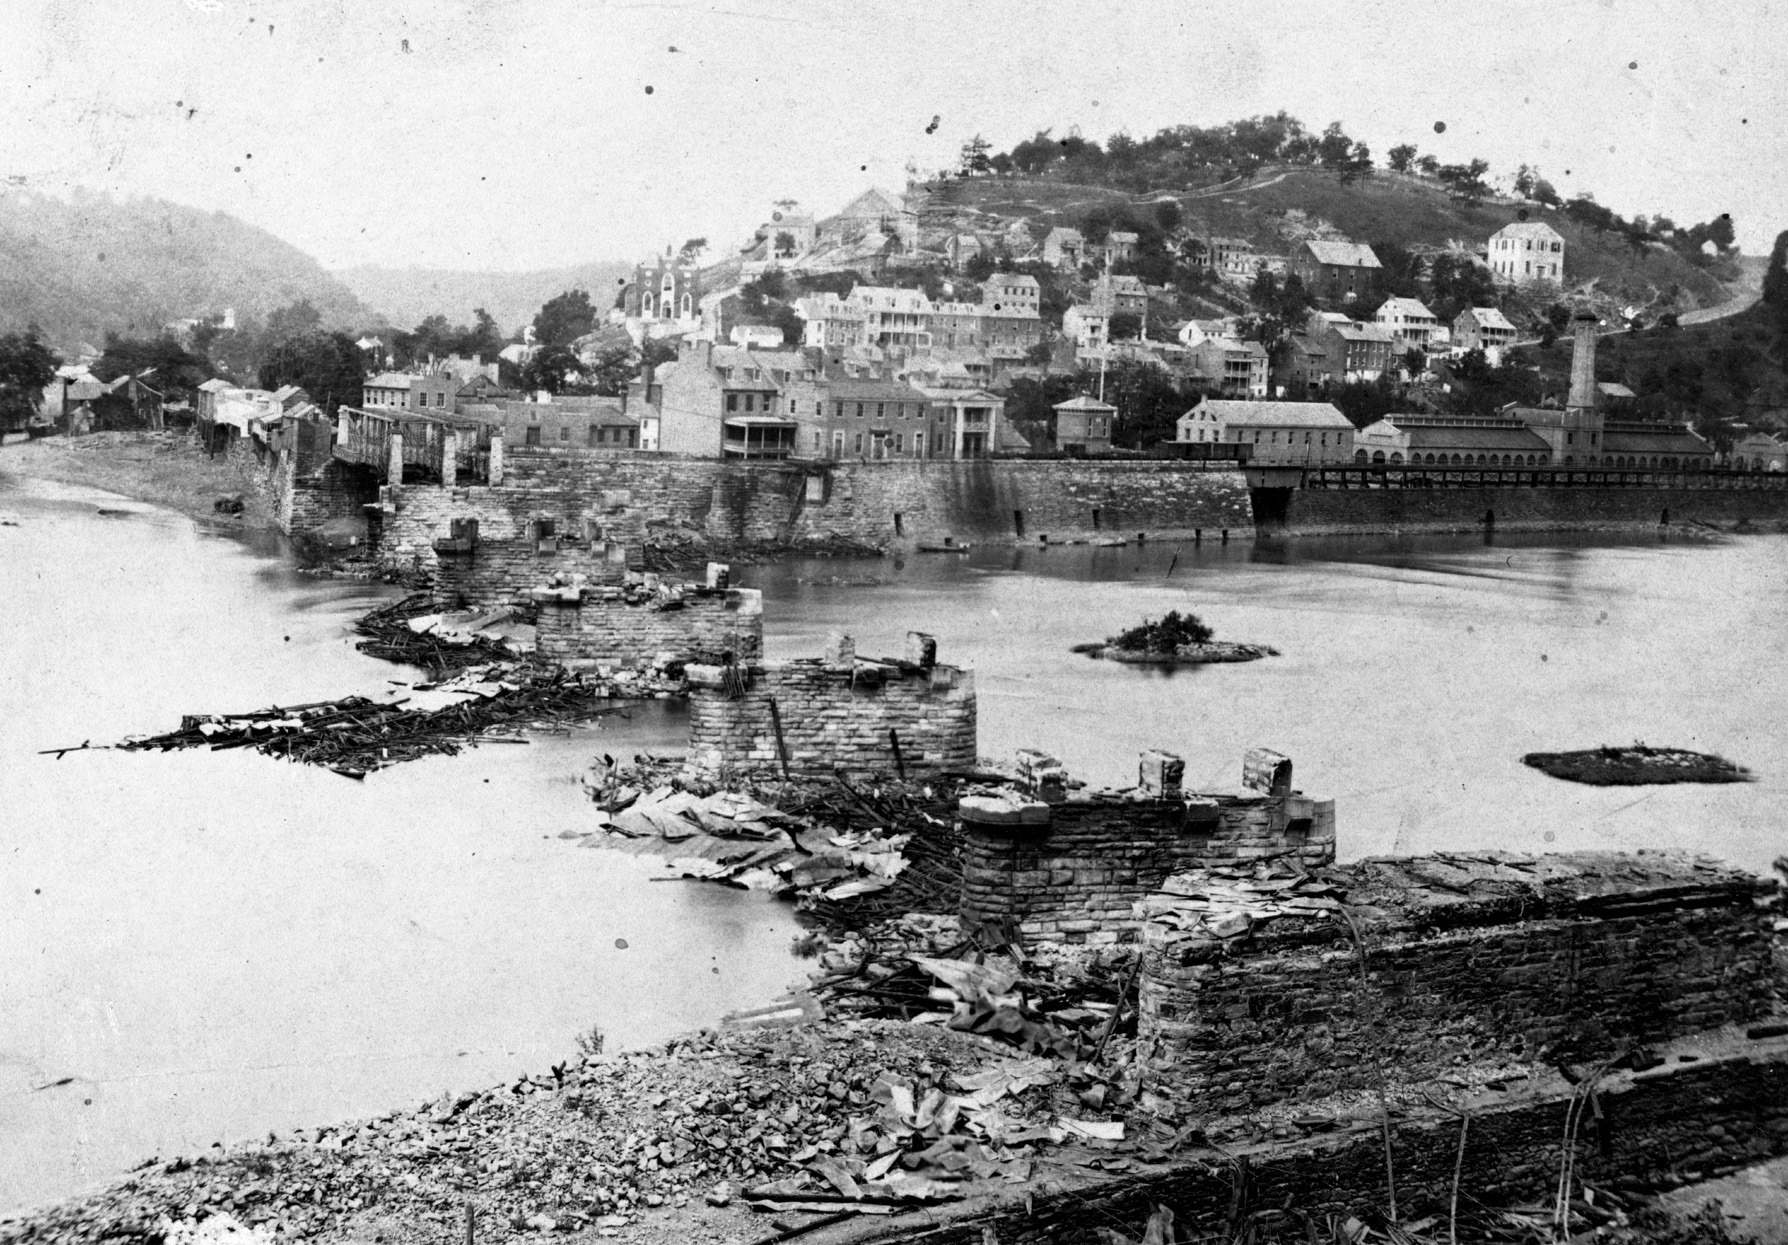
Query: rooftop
{"points": [[1347, 254], [1280, 414], [1537, 231]]}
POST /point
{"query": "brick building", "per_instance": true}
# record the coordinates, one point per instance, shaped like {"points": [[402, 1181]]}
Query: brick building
{"points": [[1336, 271]]}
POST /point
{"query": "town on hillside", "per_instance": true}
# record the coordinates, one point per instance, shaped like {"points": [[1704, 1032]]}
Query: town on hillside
{"points": [[982, 314]]}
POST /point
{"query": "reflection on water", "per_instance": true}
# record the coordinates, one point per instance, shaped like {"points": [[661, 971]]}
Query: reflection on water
{"points": [[213, 945]]}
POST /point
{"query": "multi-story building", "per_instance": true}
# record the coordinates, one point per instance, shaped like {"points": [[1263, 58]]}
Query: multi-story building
{"points": [[832, 322], [1083, 425], [1482, 328], [1408, 321], [409, 392], [894, 319], [1230, 367], [663, 294], [1337, 271], [1285, 433], [1088, 328], [1352, 351], [1012, 294], [1526, 251], [1121, 294]]}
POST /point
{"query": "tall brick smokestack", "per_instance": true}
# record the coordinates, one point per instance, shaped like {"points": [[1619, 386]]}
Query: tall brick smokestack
{"points": [[1583, 364]]}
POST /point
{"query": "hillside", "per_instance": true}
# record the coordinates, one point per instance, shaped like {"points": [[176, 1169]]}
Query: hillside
{"points": [[1280, 205], [95, 264], [407, 296]]}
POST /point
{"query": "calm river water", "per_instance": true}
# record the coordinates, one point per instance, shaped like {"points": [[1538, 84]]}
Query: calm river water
{"points": [[216, 945]]}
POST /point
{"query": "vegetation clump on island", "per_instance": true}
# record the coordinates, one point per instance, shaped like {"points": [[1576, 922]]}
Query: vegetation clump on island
{"points": [[1635, 766], [1176, 639]]}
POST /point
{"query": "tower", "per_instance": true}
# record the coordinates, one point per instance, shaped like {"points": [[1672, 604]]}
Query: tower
{"points": [[1582, 421]]}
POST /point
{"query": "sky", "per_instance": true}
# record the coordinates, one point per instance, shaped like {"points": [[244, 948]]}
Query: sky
{"points": [[521, 134]]}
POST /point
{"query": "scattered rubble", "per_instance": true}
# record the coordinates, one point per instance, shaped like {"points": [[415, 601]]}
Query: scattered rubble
{"points": [[1636, 766]]}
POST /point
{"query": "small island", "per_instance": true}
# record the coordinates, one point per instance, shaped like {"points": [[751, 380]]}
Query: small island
{"points": [[1176, 640], [1636, 766]]}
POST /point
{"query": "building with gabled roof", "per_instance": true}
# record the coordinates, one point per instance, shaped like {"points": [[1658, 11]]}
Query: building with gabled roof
{"points": [[1482, 328], [1337, 271], [1407, 320], [1064, 247], [1526, 251], [1277, 433]]}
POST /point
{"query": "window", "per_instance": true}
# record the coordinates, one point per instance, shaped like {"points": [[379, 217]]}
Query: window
{"points": [[595, 435], [751, 402], [918, 445], [565, 432], [900, 443], [840, 410], [532, 436], [732, 401], [859, 443], [859, 415]]}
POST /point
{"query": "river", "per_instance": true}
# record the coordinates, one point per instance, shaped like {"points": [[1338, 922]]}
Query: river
{"points": [[214, 945]]}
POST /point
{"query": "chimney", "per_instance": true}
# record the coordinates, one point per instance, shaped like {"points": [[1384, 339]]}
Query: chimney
{"points": [[1583, 364]]}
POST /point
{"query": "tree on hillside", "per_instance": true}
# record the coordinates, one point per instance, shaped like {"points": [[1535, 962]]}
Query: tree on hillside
{"points": [[655, 351], [292, 320], [1402, 157], [178, 371], [1428, 166], [556, 369], [610, 371], [1465, 181], [1334, 147], [1125, 326], [27, 366], [1456, 282], [1280, 310], [1366, 402], [327, 366], [1357, 165], [1543, 192], [1148, 402], [1168, 215], [973, 160], [692, 248], [1525, 180], [564, 319], [1775, 293], [1035, 153]]}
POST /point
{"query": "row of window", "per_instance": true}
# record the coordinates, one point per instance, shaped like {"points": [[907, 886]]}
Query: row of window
{"points": [[609, 436], [1508, 244], [401, 397], [899, 443], [1291, 437]]}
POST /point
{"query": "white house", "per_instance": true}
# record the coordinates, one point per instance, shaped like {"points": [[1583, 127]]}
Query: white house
{"points": [[1409, 322], [1527, 251]]}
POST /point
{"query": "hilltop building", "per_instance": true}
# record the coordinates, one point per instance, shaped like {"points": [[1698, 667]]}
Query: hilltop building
{"points": [[1527, 251], [664, 296], [1337, 271]]}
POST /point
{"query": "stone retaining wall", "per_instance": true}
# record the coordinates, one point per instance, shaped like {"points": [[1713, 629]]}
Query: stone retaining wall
{"points": [[625, 627], [835, 713], [1623, 953], [1652, 1130], [1072, 870], [1317, 512]]}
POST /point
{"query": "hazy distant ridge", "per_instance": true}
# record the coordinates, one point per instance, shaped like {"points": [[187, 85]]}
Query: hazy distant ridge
{"points": [[94, 264], [407, 296]]}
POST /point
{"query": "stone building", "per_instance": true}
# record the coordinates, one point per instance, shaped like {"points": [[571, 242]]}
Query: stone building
{"points": [[1482, 328], [1083, 425], [1277, 433], [1336, 271], [665, 294]]}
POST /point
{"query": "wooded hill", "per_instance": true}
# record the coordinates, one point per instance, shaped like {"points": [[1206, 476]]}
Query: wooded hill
{"points": [[1276, 206], [93, 265]]}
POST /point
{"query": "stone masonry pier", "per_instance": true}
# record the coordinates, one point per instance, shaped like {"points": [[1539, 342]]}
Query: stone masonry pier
{"points": [[836, 713], [645, 617], [1069, 866]]}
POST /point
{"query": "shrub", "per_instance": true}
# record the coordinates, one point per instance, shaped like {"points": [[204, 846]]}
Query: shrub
{"points": [[1174, 631]]}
